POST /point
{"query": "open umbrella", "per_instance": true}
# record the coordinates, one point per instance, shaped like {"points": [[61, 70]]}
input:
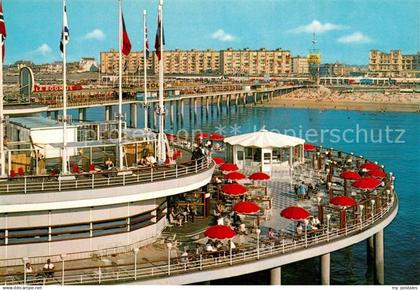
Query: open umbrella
{"points": [[234, 189], [343, 201], [170, 137], [295, 213], [378, 173], [216, 137], [201, 136], [309, 147], [259, 176], [235, 176], [370, 166], [367, 183], [221, 232], [229, 167], [349, 174], [246, 207], [218, 160]]}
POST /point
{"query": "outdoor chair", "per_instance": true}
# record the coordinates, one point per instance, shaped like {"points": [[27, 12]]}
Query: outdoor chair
{"points": [[21, 172]]}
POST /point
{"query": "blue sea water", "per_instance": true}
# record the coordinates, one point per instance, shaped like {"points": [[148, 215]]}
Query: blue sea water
{"points": [[399, 152]]}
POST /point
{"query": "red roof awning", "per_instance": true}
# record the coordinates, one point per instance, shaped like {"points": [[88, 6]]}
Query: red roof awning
{"points": [[309, 147], [259, 176], [235, 176], [370, 166], [343, 201], [349, 174], [229, 167], [216, 137], [378, 173], [202, 136], [218, 160], [246, 207], [294, 213], [234, 189], [219, 232], [367, 183]]}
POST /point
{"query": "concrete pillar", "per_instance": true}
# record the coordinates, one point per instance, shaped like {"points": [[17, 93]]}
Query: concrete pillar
{"points": [[195, 107], [219, 99], [108, 113], [133, 115], [325, 269], [171, 112], [275, 276], [379, 257], [255, 98], [182, 111], [155, 117], [370, 249], [207, 106], [55, 115], [244, 99], [82, 114]]}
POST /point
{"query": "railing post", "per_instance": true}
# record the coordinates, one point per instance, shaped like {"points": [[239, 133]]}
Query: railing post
{"points": [[124, 179], [99, 275], [59, 184], [93, 180], [25, 183], [176, 170], [196, 166], [201, 262], [151, 174]]}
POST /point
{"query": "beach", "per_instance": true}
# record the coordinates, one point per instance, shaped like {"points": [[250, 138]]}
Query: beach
{"points": [[325, 98]]}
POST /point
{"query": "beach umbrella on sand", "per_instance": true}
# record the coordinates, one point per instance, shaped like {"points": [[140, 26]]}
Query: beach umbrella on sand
{"points": [[370, 166], [295, 213], [229, 167], [235, 176], [349, 174], [218, 160], [377, 173], [259, 176], [234, 189], [309, 147], [216, 137], [367, 183], [221, 232], [246, 207]]}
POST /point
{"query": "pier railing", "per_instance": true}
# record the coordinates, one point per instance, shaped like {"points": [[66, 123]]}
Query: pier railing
{"points": [[106, 178], [175, 266]]}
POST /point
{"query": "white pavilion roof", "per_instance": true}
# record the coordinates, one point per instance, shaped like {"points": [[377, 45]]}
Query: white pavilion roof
{"points": [[264, 139]]}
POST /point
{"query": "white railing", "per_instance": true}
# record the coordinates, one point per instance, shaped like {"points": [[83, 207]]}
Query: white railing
{"points": [[251, 253], [34, 184]]}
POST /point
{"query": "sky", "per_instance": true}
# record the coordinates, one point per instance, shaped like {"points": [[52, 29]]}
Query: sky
{"points": [[345, 30]]}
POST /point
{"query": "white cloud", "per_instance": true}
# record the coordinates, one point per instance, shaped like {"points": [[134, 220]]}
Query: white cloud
{"points": [[95, 34], [44, 49], [356, 37], [318, 27], [223, 36]]}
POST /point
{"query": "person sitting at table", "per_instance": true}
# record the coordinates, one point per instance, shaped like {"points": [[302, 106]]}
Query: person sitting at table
{"points": [[299, 229], [150, 160], [49, 269], [109, 164], [315, 223], [173, 218], [210, 248], [29, 271], [141, 161], [242, 229], [271, 234]]}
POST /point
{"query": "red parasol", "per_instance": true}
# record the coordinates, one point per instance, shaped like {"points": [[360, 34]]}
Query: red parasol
{"points": [[216, 137], [378, 173], [246, 207], [370, 166], [219, 232], [201, 136], [234, 189], [259, 176], [235, 176], [343, 201], [218, 160], [367, 183], [294, 213], [229, 167], [353, 175], [170, 137], [309, 147]]}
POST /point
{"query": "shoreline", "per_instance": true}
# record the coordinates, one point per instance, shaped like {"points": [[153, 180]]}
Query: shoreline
{"points": [[342, 105]]}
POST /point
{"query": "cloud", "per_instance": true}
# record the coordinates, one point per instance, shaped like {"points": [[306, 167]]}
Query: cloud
{"points": [[223, 36], [356, 37], [44, 49], [95, 34], [318, 27]]}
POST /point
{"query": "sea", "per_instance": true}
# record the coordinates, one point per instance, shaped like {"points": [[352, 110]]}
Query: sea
{"points": [[392, 139]]}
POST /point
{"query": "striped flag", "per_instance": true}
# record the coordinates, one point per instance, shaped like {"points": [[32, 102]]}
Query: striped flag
{"points": [[158, 36], [2, 27], [146, 40], [65, 35], [126, 44]]}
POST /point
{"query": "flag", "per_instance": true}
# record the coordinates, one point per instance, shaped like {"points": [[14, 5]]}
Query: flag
{"points": [[65, 32], [126, 44], [146, 40], [157, 40], [2, 27]]}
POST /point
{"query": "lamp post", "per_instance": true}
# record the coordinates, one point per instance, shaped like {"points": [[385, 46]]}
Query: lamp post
{"points": [[136, 250], [306, 233], [372, 204], [330, 192], [63, 256], [258, 231], [328, 227], [169, 245], [361, 206], [230, 251]]}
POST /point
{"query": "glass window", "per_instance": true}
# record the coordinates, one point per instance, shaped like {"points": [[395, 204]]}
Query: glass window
{"points": [[240, 155]]}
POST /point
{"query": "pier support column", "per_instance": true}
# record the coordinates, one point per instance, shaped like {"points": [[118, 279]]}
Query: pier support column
{"points": [[325, 269], [219, 99], [55, 115], [195, 107], [244, 99], [379, 257], [370, 249], [207, 106], [155, 117], [275, 276], [171, 112], [133, 115], [82, 114], [255, 98], [182, 111], [108, 113]]}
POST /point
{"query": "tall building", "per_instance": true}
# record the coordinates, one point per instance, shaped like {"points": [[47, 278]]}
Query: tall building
{"points": [[132, 63], [300, 65], [393, 64]]}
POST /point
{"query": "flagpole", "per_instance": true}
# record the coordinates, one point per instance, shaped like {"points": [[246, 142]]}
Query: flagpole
{"points": [[145, 68], [161, 142], [2, 157], [120, 151], [64, 40]]}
